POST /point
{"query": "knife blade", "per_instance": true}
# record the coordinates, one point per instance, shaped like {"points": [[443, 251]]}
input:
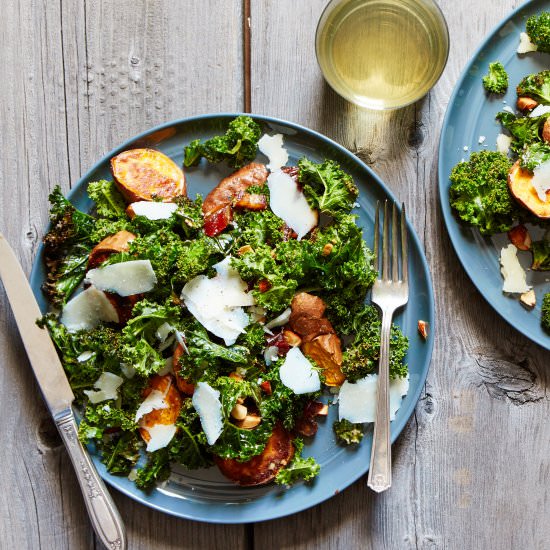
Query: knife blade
{"points": [[58, 396]]}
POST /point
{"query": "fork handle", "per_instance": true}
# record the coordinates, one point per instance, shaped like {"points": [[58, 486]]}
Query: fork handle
{"points": [[380, 459]]}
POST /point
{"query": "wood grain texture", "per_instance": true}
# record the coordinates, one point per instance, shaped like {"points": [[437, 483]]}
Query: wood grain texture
{"points": [[80, 78], [470, 467]]}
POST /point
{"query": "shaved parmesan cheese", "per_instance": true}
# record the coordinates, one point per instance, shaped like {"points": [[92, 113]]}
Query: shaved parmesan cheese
{"points": [[503, 143], [508, 109], [168, 366], [272, 148], [271, 354], [125, 278], [161, 435], [87, 310], [84, 356], [290, 204], [163, 331], [217, 303], [280, 320], [298, 374], [206, 401], [128, 370], [514, 275], [539, 110], [525, 44], [481, 139], [106, 388], [541, 180], [154, 401], [357, 401], [154, 210]]}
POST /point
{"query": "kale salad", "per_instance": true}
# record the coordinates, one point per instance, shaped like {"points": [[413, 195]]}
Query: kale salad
{"points": [[508, 190], [206, 331]]}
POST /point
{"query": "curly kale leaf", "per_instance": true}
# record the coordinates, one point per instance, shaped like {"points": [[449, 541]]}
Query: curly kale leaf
{"points": [[541, 255], [238, 146], [363, 324], [524, 130], [545, 311], [348, 433], [205, 360], [536, 86], [534, 155], [479, 192], [103, 342], [63, 279], [66, 248], [327, 186], [299, 467], [283, 403], [496, 80], [538, 30], [258, 228], [109, 202]]}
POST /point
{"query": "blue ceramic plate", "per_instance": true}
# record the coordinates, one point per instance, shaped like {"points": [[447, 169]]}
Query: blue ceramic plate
{"points": [[205, 495], [471, 115]]}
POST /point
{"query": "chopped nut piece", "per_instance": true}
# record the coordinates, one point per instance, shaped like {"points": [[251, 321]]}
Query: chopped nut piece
{"points": [[524, 103], [245, 250], [235, 376], [249, 422], [546, 131], [528, 299], [239, 412], [292, 338], [327, 249], [520, 238], [423, 329]]}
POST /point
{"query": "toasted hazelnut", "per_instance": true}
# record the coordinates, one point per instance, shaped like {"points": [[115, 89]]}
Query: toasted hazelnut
{"points": [[520, 238], [546, 131], [292, 338], [235, 376], [524, 103], [327, 249], [245, 250], [239, 412], [528, 299], [249, 422], [423, 329]]}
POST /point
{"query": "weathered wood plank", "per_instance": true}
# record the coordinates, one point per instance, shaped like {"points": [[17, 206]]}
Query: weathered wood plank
{"points": [[79, 78], [475, 451]]}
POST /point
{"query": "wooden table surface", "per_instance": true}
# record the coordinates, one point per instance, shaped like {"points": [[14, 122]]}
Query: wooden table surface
{"points": [[472, 467]]}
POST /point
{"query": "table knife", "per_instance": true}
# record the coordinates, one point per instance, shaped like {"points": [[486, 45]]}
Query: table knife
{"points": [[59, 396]]}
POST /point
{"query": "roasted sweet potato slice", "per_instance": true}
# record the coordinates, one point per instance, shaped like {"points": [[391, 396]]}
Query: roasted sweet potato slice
{"points": [[519, 183], [184, 386], [145, 174], [263, 468], [164, 384], [326, 351], [233, 187], [119, 242]]}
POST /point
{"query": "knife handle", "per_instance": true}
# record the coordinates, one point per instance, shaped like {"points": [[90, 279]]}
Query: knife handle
{"points": [[103, 513]]}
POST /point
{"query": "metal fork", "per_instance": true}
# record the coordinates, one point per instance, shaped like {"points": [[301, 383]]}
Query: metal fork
{"points": [[388, 294]]}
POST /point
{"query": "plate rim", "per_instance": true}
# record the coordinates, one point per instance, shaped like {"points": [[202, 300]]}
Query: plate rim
{"points": [[36, 279], [443, 178]]}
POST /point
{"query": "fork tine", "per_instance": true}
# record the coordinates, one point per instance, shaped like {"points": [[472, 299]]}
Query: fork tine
{"points": [[394, 241], [376, 234], [404, 246], [386, 245]]}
